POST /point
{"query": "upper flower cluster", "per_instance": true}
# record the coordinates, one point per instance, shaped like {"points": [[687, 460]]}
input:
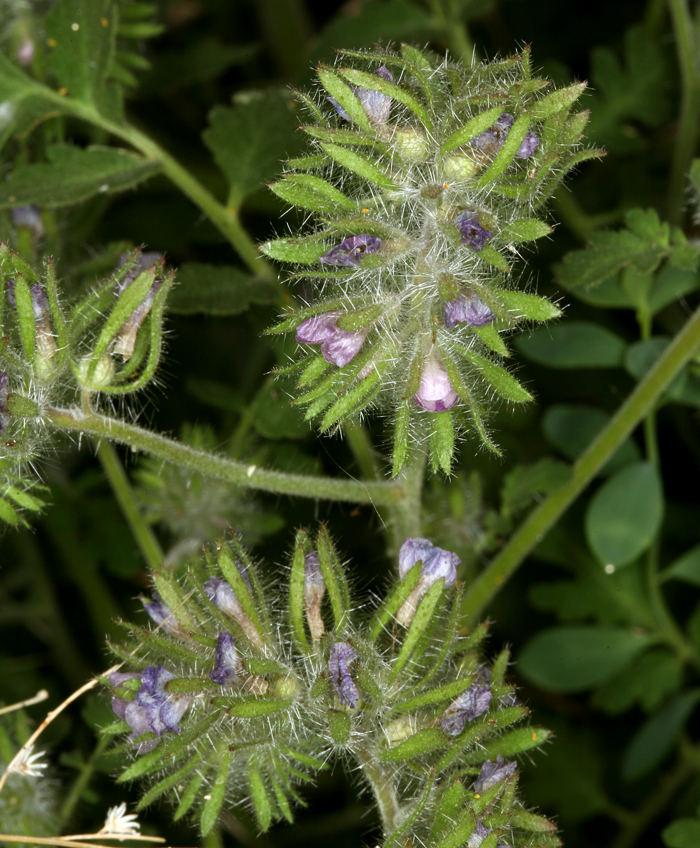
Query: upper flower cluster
{"points": [[237, 701], [423, 185]]}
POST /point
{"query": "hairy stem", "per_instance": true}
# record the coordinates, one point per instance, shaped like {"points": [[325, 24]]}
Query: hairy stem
{"points": [[534, 528], [210, 465], [124, 494], [688, 121], [383, 790]]}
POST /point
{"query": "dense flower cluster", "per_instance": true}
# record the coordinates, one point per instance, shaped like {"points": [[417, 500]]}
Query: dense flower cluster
{"points": [[423, 191], [218, 697]]}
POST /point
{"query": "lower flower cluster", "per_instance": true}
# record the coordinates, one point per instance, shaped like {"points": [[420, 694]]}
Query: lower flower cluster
{"points": [[225, 702]]}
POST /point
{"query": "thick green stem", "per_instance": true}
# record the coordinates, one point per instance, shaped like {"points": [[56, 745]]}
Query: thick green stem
{"points": [[406, 516], [124, 494], [383, 790], [210, 465], [637, 405], [688, 122]]}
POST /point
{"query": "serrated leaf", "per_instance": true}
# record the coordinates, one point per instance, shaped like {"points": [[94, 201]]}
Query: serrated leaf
{"points": [[74, 174], [219, 290], [251, 138], [81, 42]]}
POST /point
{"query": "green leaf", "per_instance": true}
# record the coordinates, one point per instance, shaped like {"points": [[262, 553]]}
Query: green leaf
{"points": [[343, 94], [354, 399], [490, 337], [273, 415], [506, 154], [447, 692], [359, 165], [556, 101], [573, 659], [303, 251], [189, 796], [216, 794], [251, 138], [649, 680], [239, 708], [682, 833], [524, 229], [529, 306], [525, 483], [500, 380], [74, 174], [625, 514], [421, 623], [334, 578], [670, 285], [571, 428], [575, 344], [394, 601], [8, 514], [516, 742], [25, 316], [685, 568], [471, 129], [657, 736], [81, 41], [442, 441], [259, 797], [218, 290], [426, 740], [396, 92], [340, 725], [310, 192], [493, 257]]}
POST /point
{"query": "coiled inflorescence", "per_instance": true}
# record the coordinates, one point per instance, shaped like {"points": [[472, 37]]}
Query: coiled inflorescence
{"points": [[225, 701], [423, 186]]}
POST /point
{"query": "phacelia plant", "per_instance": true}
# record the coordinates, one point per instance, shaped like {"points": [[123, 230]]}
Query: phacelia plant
{"points": [[227, 699], [423, 187]]}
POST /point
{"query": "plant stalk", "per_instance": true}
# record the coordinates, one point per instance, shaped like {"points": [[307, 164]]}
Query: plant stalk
{"points": [[534, 528]]}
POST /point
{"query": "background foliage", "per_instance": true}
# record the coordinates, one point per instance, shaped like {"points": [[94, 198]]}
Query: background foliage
{"points": [[604, 616]]}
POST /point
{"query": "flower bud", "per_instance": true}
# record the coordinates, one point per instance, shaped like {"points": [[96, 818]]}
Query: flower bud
{"points": [[436, 564], [163, 616], [314, 590], [492, 773], [377, 106], [342, 654], [467, 310], [229, 666], [29, 217], [435, 393], [44, 337], [125, 340], [337, 346], [473, 234], [469, 705], [224, 598], [351, 251]]}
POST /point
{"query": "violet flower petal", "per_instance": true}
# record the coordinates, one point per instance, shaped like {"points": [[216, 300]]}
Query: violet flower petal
{"points": [[223, 597], [229, 664], [492, 773], [377, 106], [468, 706], [351, 251], [472, 311], [412, 551], [529, 144], [435, 393], [478, 835], [317, 329], [492, 140], [343, 346], [342, 654], [473, 234]]}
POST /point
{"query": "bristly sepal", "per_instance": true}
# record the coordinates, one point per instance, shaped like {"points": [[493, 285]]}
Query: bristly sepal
{"points": [[423, 186]]}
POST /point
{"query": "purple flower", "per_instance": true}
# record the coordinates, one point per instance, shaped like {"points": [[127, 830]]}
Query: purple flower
{"points": [[314, 590], [473, 234], [529, 144], [377, 106], [125, 340], [351, 251], [468, 706], [492, 773], [224, 598], [436, 564], [477, 835], [492, 140], [144, 261], [435, 393], [117, 678], [467, 310], [229, 665], [163, 616], [153, 710], [4, 392], [337, 346], [30, 217], [40, 302], [342, 654]]}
